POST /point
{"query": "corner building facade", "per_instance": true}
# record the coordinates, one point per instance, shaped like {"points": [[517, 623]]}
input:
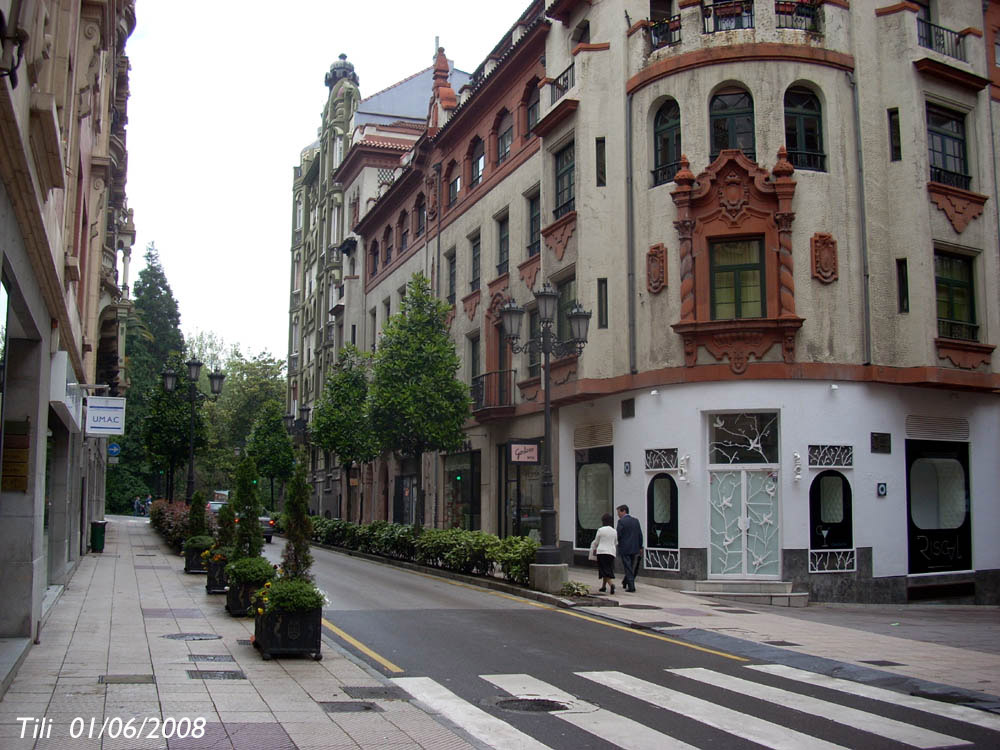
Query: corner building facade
{"points": [[784, 219]]}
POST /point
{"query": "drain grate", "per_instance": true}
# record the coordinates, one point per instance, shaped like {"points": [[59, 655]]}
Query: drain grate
{"points": [[216, 674], [737, 611], [340, 707], [126, 679], [783, 643], [385, 693], [210, 657], [192, 636], [534, 705], [243, 642]]}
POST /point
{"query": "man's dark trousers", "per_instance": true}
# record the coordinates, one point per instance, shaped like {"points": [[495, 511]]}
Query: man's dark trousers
{"points": [[629, 547]]}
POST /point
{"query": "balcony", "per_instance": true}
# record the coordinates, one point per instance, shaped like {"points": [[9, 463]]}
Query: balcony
{"points": [[804, 16], [952, 179], [728, 15], [940, 39], [958, 330], [296, 299], [665, 32], [492, 395], [563, 83], [293, 364]]}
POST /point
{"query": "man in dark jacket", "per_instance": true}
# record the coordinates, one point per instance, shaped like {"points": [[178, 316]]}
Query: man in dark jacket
{"points": [[629, 545]]}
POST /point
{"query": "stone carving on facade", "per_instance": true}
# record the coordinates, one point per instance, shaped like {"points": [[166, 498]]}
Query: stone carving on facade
{"points": [[449, 317], [558, 233], [966, 355], [470, 303], [824, 257], [960, 206], [498, 296], [529, 270], [656, 268]]}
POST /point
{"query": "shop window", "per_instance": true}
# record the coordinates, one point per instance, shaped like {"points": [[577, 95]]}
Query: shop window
{"points": [[594, 491], [462, 491], [747, 438], [804, 130], [522, 511], [830, 512], [732, 123], [565, 161], [737, 279], [956, 309], [666, 142], [661, 512], [946, 147]]}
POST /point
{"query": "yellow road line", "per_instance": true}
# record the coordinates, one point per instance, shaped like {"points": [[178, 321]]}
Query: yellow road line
{"points": [[362, 647]]}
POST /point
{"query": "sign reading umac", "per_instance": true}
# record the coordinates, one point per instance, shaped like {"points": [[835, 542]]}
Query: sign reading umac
{"points": [[524, 452], [105, 416]]}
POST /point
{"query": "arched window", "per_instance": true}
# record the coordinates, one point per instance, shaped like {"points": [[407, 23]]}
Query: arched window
{"points": [[830, 525], [420, 216], [374, 256], [477, 159], [505, 136], [804, 130], [661, 512], [387, 245], [731, 121], [531, 109], [666, 142], [404, 231]]}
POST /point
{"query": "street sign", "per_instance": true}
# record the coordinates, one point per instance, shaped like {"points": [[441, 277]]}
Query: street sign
{"points": [[105, 415], [114, 449], [524, 451]]}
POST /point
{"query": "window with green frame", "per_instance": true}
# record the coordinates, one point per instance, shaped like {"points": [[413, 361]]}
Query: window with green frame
{"points": [[474, 283], [946, 147], [567, 298], [534, 225], [956, 308], [804, 130], [737, 276], [503, 245], [667, 142], [731, 121], [565, 161]]}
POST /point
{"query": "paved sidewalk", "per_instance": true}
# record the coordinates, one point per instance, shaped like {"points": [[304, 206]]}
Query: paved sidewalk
{"points": [[109, 627]]}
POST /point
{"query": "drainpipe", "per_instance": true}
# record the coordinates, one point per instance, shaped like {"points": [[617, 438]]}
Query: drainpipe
{"points": [[863, 222], [993, 167], [630, 236], [437, 293]]}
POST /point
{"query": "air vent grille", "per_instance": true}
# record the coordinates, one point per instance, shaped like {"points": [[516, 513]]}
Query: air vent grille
{"points": [[936, 428], [593, 436]]}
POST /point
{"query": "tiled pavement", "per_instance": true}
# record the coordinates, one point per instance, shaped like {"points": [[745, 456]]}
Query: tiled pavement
{"points": [[110, 623]]}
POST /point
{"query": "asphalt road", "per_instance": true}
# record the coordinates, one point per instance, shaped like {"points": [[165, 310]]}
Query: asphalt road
{"points": [[484, 647]]}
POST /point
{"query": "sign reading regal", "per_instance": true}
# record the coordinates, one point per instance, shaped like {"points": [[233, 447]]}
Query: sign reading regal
{"points": [[525, 451], [105, 416]]}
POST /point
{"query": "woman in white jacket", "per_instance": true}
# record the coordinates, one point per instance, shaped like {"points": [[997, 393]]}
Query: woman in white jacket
{"points": [[605, 547]]}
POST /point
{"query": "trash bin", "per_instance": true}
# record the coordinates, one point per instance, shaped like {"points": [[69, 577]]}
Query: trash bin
{"points": [[97, 535]]}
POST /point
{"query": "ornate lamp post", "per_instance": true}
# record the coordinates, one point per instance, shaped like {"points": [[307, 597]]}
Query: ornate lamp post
{"points": [[194, 396], [548, 344]]}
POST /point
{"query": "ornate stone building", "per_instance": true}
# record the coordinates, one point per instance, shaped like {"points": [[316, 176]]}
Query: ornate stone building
{"points": [[64, 225], [783, 216]]}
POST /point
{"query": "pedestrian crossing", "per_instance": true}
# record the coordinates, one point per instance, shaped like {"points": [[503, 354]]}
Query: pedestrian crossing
{"points": [[789, 717]]}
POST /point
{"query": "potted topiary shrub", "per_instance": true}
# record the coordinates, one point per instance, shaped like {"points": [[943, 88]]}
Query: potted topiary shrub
{"points": [[197, 540], [288, 613], [245, 577], [221, 553]]}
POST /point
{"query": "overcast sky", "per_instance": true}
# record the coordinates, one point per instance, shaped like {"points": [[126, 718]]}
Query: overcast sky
{"points": [[224, 96]]}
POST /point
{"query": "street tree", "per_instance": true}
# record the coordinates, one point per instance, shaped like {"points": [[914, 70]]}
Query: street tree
{"points": [[341, 422], [296, 558], [270, 446], [417, 402], [246, 504]]}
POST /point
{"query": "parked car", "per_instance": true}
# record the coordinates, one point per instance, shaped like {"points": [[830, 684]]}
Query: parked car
{"points": [[266, 526], [214, 506]]}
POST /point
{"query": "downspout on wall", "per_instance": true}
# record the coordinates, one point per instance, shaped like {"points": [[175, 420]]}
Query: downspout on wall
{"points": [[630, 236], [862, 223]]}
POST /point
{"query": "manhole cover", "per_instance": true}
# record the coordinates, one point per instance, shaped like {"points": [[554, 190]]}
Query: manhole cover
{"points": [[340, 707], [882, 663], [638, 606], [210, 657], [216, 674], [126, 679], [783, 643], [387, 692], [530, 704], [192, 636]]}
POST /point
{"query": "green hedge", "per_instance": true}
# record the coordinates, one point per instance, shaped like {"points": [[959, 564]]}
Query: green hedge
{"points": [[470, 552]]}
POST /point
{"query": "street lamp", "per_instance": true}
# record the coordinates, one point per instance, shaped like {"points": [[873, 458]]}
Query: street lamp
{"points": [[548, 344], [194, 395], [297, 428]]}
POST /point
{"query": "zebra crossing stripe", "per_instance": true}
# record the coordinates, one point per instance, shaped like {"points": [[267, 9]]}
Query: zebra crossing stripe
{"points": [[938, 708], [872, 723], [749, 727], [607, 725], [481, 725]]}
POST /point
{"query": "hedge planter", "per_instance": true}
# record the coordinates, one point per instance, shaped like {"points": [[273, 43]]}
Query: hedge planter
{"points": [[217, 582], [289, 634], [193, 562], [238, 598]]}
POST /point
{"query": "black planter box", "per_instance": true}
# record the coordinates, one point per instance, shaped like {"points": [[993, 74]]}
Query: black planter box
{"points": [[238, 598], [193, 562], [217, 582], [289, 634]]}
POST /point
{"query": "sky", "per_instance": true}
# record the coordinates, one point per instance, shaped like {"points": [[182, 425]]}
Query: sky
{"points": [[224, 95]]}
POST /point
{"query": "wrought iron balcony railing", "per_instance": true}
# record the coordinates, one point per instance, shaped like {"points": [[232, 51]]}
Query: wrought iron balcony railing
{"points": [[727, 15], [666, 32], [952, 179], [563, 83], [492, 390], [808, 160], [665, 172], [940, 39], [802, 14], [293, 364], [956, 329]]}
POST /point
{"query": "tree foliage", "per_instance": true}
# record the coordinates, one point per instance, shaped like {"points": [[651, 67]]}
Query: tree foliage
{"points": [[296, 560], [249, 540], [417, 403], [197, 524], [270, 446], [341, 422]]}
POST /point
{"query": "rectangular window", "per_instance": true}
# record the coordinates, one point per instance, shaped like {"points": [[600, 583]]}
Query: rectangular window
{"points": [[503, 245], [602, 303], [374, 323], [503, 144], [534, 225], [474, 273], [421, 219], [956, 309], [532, 112], [737, 278], [404, 239], [451, 277], [902, 286], [473, 358], [534, 356], [567, 298], [478, 165], [354, 334], [946, 146], [895, 141], [453, 187], [565, 161], [602, 168]]}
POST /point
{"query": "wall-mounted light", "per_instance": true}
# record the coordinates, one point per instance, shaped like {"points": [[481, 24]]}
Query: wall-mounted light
{"points": [[798, 465], [834, 387], [654, 392], [682, 467]]}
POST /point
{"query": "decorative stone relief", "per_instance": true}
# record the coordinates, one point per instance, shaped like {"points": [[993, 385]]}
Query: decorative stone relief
{"points": [[960, 206], [824, 257], [656, 268], [557, 234], [529, 270], [967, 355], [470, 304]]}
